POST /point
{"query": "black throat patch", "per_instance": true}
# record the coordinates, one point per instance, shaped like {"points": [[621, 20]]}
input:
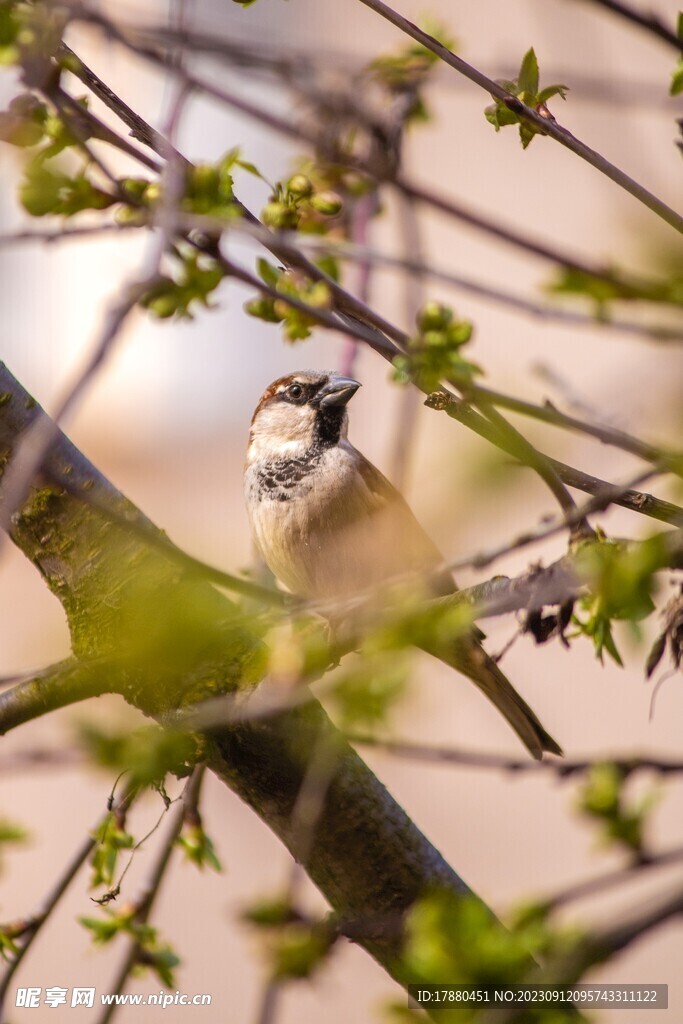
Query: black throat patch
{"points": [[328, 427]]}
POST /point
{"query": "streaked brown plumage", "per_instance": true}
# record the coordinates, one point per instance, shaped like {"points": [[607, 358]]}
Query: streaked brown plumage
{"points": [[329, 524]]}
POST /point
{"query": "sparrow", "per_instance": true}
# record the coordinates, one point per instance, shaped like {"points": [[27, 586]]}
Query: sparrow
{"points": [[329, 525]]}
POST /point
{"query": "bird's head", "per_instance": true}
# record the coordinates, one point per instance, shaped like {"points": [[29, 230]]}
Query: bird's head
{"points": [[301, 412]]}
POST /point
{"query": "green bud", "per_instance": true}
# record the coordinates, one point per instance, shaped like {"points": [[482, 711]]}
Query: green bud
{"points": [[204, 178], [460, 333], [280, 216], [134, 187], [434, 339], [300, 185], [163, 306], [281, 308], [328, 203], [433, 316], [357, 184], [126, 215], [263, 309]]}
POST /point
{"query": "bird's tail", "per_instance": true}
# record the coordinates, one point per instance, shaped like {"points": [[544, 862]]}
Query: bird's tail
{"points": [[469, 657]]}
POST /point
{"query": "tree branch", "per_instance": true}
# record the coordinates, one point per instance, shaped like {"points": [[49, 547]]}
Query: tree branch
{"points": [[66, 683]]}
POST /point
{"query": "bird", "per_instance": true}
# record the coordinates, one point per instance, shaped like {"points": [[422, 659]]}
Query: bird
{"points": [[329, 524]]}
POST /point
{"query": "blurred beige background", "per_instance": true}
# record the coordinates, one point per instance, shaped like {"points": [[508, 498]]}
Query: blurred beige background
{"points": [[167, 422]]}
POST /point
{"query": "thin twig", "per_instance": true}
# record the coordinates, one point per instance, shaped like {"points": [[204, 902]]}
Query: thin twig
{"points": [[600, 883], [403, 442], [648, 20], [63, 234], [39, 758], [636, 501], [139, 128], [572, 519], [562, 768], [526, 453], [144, 905]]}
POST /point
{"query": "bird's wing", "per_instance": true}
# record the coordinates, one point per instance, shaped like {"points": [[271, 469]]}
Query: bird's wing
{"points": [[397, 543]]}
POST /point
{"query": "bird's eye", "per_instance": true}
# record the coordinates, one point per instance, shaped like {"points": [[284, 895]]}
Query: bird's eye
{"points": [[295, 391]]}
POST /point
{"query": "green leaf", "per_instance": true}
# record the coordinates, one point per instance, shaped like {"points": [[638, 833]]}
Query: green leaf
{"points": [[300, 949], [677, 79], [603, 796], [8, 945], [41, 191], [500, 116], [528, 74], [148, 754], [162, 961], [10, 833], [553, 90], [23, 123], [199, 848], [269, 913], [45, 191], [408, 70], [250, 168], [10, 27], [110, 840], [103, 929], [365, 694], [330, 266], [269, 274]]}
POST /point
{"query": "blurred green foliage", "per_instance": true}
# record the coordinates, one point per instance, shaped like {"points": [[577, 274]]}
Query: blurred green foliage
{"points": [[623, 821], [199, 848], [407, 70], [434, 353], [152, 953], [623, 579], [111, 837]]}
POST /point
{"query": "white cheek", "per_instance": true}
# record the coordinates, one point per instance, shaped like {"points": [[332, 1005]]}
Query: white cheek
{"points": [[282, 431]]}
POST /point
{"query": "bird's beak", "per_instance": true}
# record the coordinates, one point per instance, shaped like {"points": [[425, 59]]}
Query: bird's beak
{"points": [[338, 391]]}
